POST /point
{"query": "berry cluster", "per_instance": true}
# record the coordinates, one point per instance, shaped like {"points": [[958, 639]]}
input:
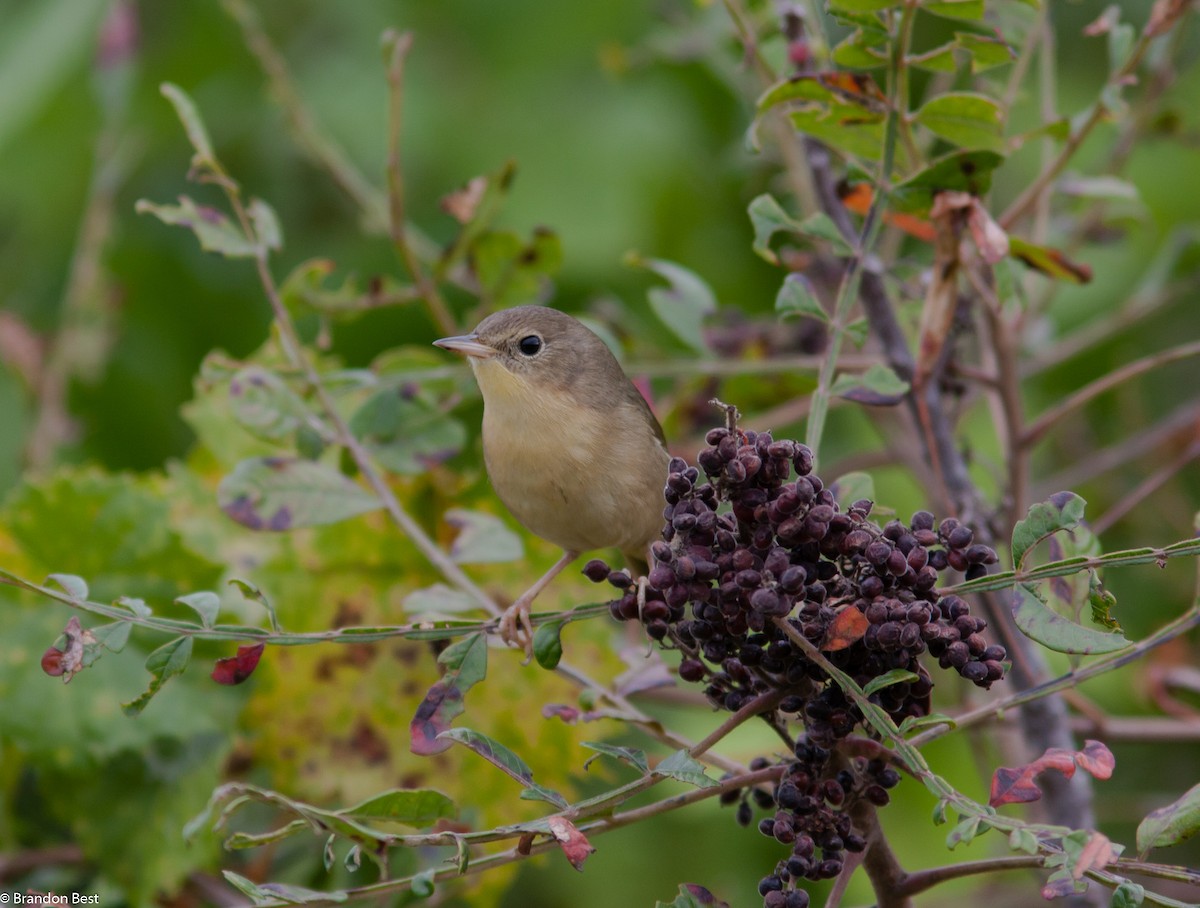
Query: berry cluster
{"points": [[752, 549]]}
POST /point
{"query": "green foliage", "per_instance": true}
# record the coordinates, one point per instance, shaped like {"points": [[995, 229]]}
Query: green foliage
{"points": [[898, 154]]}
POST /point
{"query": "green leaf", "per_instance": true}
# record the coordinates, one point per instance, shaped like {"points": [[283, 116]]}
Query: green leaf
{"points": [[406, 433], [264, 405], [955, 9], [547, 644], [304, 286], [916, 723], [887, 679], [803, 87], [964, 118], [424, 884], [114, 636], [986, 52], [415, 807], [683, 768], [1041, 623], [164, 663], [206, 605], [193, 124], [243, 840], [137, 606], [849, 128], [1049, 261], [768, 218], [266, 225], [270, 893], [213, 228], [1171, 824], [852, 487], [796, 299], [939, 59], [964, 832], [683, 305], [1061, 511], [1022, 839], [493, 751], [1101, 602], [858, 51], [631, 755], [512, 271], [254, 594], [537, 792], [861, 6], [75, 587], [482, 538], [964, 171], [1128, 895], [939, 811], [820, 226], [279, 493], [880, 384]]}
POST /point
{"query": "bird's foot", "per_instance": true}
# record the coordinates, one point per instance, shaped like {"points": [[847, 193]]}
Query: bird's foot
{"points": [[515, 627]]}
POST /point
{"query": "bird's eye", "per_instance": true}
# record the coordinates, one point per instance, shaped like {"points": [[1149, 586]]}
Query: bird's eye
{"points": [[530, 345]]}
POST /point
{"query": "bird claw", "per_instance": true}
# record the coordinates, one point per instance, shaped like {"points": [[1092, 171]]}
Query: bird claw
{"points": [[515, 628]]}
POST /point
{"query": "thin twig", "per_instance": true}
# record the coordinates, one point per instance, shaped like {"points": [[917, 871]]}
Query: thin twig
{"points": [[1055, 415], [1074, 678], [324, 151], [1028, 199], [1147, 487], [398, 46]]}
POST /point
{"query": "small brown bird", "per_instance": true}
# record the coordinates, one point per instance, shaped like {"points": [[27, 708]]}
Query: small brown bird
{"points": [[571, 446]]}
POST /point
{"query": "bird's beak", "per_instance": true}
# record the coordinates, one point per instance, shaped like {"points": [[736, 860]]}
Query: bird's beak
{"points": [[466, 344]]}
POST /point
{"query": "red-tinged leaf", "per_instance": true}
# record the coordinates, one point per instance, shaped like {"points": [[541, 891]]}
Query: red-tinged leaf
{"points": [[466, 662], [1096, 759], [1163, 16], [702, 895], [567, 713], [846, 629], [236, 669], [1013, 786], [1056, 758], [1017, 785], [573, 842], [1051, 262]]}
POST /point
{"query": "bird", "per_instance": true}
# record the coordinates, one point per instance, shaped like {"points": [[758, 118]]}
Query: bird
{"points": [[571, 447]]}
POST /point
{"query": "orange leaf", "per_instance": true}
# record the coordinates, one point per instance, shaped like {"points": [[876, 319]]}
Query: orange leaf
{"points": [[846, 629]]}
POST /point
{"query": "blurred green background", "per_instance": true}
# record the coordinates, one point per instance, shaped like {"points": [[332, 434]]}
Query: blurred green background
{"points": [[628, 125]]}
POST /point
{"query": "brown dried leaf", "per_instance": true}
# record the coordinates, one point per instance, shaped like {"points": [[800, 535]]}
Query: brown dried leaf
{"points": [[1164, 15], [573, 842], [463, 203]]}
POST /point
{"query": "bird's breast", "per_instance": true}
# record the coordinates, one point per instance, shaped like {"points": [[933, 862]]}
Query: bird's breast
{"points": [[580, 478]]}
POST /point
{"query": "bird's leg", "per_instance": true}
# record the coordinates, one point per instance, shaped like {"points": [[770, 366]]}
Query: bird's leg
{"points": [[514, 627]]}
